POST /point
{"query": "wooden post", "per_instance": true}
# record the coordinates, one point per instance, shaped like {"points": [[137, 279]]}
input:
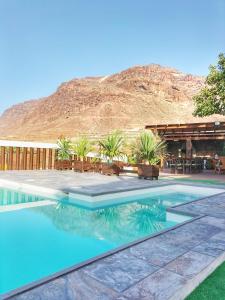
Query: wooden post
{"points": [[35, 159], [38, 158], [3, 158], [31, 160], [10, 158], [43, 159], [55, 157], [17, 158], [24, 159], [188, 148], [50, 159]]}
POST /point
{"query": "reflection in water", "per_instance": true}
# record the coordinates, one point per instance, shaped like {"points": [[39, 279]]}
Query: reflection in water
{"points": [[117, 224], [148, 218]]}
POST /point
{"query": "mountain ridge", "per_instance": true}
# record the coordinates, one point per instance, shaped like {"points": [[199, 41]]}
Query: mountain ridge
{"points": [[132, 98]]}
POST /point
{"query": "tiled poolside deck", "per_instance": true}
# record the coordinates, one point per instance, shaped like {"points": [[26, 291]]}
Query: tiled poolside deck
{"points": [[73, 182], [166, 266]]}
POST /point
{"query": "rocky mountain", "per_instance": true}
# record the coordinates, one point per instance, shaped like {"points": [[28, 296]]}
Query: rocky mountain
{"points": [[128, 100]]}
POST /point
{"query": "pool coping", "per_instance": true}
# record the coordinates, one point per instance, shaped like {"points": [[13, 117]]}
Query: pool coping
{"points": [[61, 193], [75, 267]]}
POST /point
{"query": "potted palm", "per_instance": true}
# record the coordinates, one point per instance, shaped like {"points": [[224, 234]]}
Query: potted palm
{"points": [[111, 148], [81, 149], [148, 150], [63, 161]]}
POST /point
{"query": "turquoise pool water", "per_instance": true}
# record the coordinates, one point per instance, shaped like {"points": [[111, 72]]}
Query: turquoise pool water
{"points": [[39, 241]]}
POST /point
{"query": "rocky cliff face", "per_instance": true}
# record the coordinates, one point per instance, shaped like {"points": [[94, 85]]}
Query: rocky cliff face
{"points": [[131, 99]]}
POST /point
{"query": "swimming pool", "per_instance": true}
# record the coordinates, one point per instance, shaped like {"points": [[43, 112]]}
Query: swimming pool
{"points": [[36, 242]]}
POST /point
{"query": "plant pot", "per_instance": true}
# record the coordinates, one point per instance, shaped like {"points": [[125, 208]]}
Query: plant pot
{"points": [[63, 165], [110, 169], [97, 167], [83, 166], [148, 171]]}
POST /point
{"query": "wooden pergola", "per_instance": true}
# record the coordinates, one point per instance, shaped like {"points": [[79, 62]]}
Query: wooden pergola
{"points": [[190, 132]]}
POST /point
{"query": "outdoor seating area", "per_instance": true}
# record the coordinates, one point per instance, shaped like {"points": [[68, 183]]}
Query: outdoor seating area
{"points": [[193, 148], [185, 166], [220, 166]]}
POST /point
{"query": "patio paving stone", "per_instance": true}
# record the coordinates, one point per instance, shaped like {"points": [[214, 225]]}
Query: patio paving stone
{"points": [[120, 271], [219, 236], [161, 285], [157, 252], [74, 182], [183, 235], [80, 287], [212, 247], [217, 199], [74, 286], [214, 221], [189, 264], [200, 209], [50, 291]]}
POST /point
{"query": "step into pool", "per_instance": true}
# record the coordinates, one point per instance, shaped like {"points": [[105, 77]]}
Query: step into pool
{"points": [[37, 242], [14, 197], [171, 195]]}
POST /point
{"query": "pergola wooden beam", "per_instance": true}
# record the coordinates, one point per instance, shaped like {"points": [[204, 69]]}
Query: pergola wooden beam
{"points": [[212, 125], [194, 138], [193, 131]]}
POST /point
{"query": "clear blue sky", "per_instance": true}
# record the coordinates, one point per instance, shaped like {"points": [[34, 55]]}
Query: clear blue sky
{"points": [[46, 42]]}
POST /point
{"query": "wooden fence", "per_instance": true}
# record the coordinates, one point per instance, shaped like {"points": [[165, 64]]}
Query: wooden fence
{"points": [[27, 158]]}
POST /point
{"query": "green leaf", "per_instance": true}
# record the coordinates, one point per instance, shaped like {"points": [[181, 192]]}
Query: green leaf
{"points": [[149, 148], [64, 148], [211, 99], [82, 147], [111, 146]]}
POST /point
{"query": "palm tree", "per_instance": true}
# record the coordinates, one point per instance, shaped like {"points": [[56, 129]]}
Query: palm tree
{"points": [[81, 148], [149, 148], [64, 148], [111, 146]]}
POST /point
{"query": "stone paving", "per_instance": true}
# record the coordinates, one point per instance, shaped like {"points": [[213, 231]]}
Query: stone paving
{"points": [[167, 266], [85, 183]]}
